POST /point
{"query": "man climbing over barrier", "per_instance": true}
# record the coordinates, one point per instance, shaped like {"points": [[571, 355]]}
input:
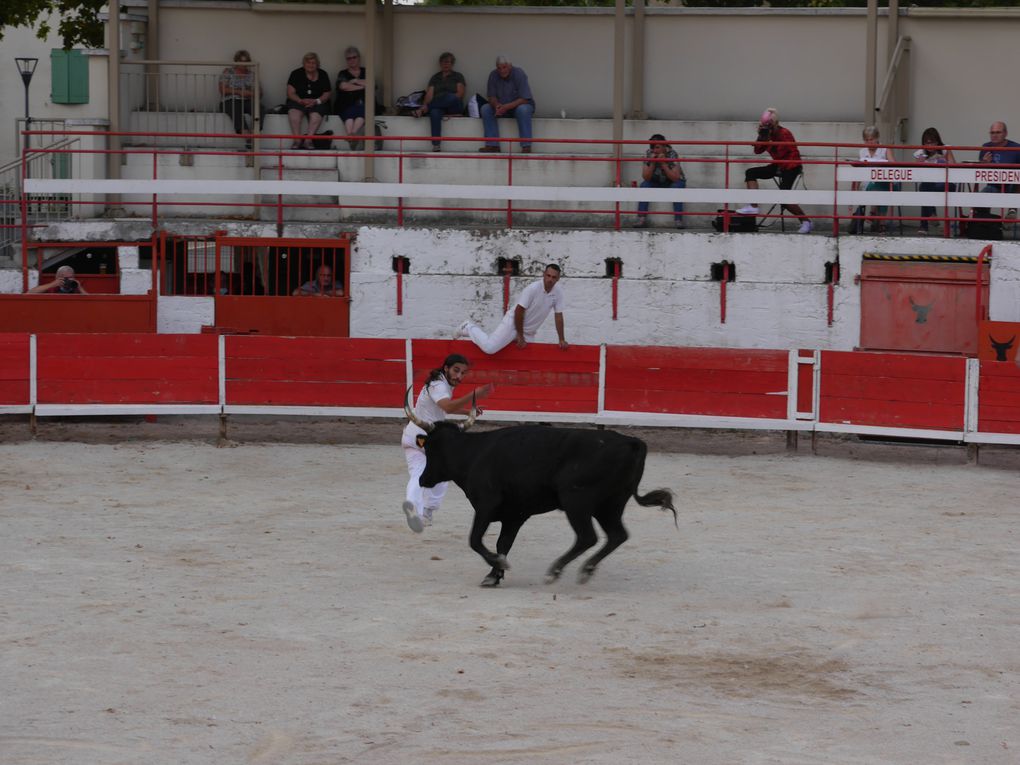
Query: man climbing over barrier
{"points": [[523, 321]]}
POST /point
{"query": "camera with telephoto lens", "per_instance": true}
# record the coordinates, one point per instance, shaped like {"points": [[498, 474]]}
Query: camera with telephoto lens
{"points": [[69, 286], [764, 132]]}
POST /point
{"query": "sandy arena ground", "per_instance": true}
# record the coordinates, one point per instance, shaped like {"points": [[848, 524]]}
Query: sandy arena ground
{"points": [[170, 602]]}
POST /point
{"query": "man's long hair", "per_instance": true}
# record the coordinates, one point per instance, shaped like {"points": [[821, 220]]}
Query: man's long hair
{"points": [[449, 361]]}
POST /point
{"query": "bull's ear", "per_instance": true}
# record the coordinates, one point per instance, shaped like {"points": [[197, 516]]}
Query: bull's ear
{"points": [[472, 415]]}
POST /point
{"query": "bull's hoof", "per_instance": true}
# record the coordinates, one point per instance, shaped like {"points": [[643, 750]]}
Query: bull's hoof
{"points": [[584, 575], [501, 563], [552, 575], [492, 580]]}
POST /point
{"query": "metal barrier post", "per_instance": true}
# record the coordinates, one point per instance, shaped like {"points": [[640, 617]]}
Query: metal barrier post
{"points": [[510, 182]]}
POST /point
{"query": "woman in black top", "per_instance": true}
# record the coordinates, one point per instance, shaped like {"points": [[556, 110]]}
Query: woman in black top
{"points": [[307, 95], [350, 95]]}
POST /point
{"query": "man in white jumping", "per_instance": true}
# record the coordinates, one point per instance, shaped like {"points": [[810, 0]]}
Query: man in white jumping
{"points": [[524, 319]]}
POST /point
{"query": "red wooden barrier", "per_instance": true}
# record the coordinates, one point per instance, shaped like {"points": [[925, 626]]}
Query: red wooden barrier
{"points": [[14, 370], [127, 369], [892, 390], [314, 371], [538, 378], [718, 382], [998, 398], [77, 313]]}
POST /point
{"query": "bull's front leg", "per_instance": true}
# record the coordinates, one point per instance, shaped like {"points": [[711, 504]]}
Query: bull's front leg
{"points": [[497, 561], [507, 535]]}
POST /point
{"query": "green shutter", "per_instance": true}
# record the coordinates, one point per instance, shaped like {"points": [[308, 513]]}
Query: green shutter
{"points": [[70, 77]]}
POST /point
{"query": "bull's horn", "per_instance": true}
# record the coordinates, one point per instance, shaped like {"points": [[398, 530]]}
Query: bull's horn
{"points": [[426, 426], [471, 416]]}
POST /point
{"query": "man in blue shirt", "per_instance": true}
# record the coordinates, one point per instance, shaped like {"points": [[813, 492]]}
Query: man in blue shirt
{"points": [[509, 96], [1000, 151]]}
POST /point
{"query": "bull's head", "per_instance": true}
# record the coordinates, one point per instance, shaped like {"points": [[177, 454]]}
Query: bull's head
{"points": [[921, 311], [1001, 348], [428, 426]]}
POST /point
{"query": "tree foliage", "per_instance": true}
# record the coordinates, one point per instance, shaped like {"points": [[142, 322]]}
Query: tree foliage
{"points": [[78, 24]]}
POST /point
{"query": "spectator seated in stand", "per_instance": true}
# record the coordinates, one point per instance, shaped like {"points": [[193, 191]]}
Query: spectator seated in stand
{"points": [[307, 96], [444, 95], [63, 283], [872, 153], [321, 286], [509, 95], [350, 96], [1000, 151], [787, 165], [661, 170], [933, 153], [237, 93]]}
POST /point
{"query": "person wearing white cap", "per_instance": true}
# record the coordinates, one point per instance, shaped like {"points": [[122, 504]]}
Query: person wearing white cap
{"points": [[781, 146]]}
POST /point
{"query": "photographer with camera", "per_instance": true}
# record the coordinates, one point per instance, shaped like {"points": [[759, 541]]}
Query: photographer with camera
{"points": [[661, 170], [781, 146], [64, 283]]}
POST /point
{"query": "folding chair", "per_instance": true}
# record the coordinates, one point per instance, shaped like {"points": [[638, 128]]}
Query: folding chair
{"points": [[799, 180]]}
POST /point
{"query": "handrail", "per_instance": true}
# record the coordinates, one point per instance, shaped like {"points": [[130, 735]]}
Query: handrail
{"points": [[707, 163], [894, 83]]}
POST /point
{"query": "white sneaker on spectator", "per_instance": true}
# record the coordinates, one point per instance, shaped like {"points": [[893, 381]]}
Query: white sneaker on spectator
{"points": [[748, 210], [805, 227], [462, 331]]}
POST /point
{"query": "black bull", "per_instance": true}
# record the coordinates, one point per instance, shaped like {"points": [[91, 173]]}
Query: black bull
{"points": [[510, 474]]}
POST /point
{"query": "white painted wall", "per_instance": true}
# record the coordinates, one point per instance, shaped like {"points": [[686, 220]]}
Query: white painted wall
{"points": [[184, 315], [666, 296]]}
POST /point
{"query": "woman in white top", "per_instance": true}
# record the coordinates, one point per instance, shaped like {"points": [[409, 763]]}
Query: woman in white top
{"points": [[872, 153], [434, 402]]}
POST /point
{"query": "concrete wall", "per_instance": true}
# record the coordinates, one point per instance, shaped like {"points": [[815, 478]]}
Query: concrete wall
{"points": [[666, 295], [779, 299]]}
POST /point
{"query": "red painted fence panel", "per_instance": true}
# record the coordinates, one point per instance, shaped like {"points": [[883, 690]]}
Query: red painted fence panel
{"points": [[999, 397], [720, 382], [314, 371], [127, 369], [538, 378], [892, 390], [14, 370]]}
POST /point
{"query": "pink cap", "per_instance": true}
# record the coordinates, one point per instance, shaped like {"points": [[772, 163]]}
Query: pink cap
{"points": [[766, 118]]}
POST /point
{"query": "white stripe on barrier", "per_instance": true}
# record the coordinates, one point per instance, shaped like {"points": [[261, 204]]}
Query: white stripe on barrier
{"points": [[1011, 439], [876, 430], [73, 410]]}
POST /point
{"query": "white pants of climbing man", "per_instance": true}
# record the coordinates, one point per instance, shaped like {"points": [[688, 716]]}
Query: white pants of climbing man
{"points": [[498, 339]]}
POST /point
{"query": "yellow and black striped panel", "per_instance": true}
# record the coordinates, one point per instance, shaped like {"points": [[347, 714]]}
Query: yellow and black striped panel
{"points": [[924, 258]]}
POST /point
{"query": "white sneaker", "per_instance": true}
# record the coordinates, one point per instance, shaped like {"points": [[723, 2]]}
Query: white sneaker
{"points": [[427, 515], [414, 521], [748, 210], [462, 331], [805, 227]]}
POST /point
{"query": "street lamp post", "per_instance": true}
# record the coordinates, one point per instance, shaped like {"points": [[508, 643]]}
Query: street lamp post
{"points": [[26, 68]]}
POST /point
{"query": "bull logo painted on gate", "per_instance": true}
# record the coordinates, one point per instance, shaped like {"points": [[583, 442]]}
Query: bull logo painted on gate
{"points": [[921, 311], [1001, 349]]}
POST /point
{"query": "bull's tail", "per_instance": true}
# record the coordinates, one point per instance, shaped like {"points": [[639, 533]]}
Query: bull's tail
{"points": [[656, 498]]}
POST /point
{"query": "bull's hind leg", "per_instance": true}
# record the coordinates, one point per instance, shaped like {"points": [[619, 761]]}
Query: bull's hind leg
{"points": [[507, 535], [581, 523], [616, 535]]}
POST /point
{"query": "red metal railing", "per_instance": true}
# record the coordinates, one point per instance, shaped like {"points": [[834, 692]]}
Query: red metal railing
{"points": [[704, 161]]}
